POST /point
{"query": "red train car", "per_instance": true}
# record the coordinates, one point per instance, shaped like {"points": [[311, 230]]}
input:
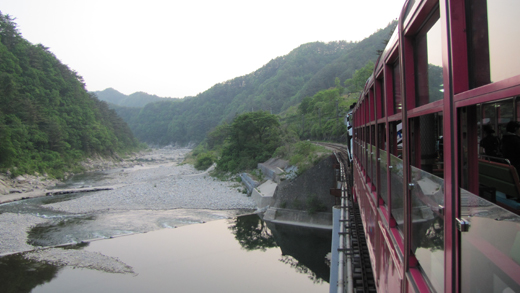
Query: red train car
{"points": [[438, 213]]}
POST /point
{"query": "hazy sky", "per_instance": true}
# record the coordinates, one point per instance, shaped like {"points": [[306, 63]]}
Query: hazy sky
{"points": [[175, 48]]}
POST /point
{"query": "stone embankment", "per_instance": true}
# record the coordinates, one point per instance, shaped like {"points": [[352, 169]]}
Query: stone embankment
{"points": [[304, 200], [25, 186]]}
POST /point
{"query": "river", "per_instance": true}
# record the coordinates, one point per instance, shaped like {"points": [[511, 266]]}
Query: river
{"points": [[173, 240]]}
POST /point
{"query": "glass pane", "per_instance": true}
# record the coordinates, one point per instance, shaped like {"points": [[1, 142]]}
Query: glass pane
{"points": [[362, 150], [428, 55], [428, 225], [504, 38], [493, 40], [490, 250], [373, 159], [369, 161], [383, 174], [504, 115], [396, 80], [396, 186]]}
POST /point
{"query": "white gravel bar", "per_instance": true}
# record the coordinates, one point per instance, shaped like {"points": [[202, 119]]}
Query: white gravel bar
{"points": [[13, 231], [162, 188], [157, 184], [80, 259]]}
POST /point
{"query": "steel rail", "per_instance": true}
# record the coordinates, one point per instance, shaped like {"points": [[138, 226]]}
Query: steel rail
{"points": [[354, 255]]}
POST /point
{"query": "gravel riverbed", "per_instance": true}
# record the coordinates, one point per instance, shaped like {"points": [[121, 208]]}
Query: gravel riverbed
{"points": [[161, 188], [157, 185]]}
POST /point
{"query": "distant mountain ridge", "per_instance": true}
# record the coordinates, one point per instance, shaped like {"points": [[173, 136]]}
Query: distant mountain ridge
{"points": [[280, 84], [135, 100]]}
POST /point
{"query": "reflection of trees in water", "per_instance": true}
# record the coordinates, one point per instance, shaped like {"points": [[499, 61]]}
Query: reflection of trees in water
{"points": [[294, 263], [252, 233], [306, 246], [303, 249], [18, 274]]}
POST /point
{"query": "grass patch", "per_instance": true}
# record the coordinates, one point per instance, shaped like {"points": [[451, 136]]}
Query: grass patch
{"points": [[314, 205], [302, 154]]}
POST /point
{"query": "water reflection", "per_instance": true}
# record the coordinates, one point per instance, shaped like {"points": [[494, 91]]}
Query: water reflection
{"points": [[304, 249], [21, 275], [300, 268], [252, 233], [308, 246]]}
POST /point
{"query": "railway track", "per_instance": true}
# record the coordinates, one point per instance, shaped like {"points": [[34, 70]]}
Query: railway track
{"points": [[361, 270]]}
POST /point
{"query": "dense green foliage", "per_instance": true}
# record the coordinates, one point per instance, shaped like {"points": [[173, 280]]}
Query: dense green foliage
{"points": [[302, 154], [320, 117], [48, 121], [252, 138], [204, 161], [276, 87], [242, 145], [136, 100], [356, 84]]}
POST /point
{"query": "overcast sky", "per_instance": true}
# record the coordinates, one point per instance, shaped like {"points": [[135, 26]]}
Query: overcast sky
{"points": [[174, 48]]}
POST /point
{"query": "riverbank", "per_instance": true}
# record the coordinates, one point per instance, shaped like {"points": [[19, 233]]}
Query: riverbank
{"points": [[155, 194], [37, 185]]}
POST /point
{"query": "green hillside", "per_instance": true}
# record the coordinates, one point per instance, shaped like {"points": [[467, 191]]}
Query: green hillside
{"points": [[48, 121], [281, 83]]}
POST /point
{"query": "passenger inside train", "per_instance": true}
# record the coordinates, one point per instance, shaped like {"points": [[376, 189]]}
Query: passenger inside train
{"points": [[490, 144], [499, 156]]}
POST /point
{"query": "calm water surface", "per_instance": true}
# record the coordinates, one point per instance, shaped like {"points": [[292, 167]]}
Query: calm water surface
{"points": [[239, 255]]}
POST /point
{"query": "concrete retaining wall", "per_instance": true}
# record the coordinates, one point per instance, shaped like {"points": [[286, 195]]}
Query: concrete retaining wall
{"points": [[263, 194], [311, 187], [248, 182], [299, 218]]}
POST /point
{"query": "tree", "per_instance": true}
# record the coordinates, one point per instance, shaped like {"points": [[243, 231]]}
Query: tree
{"points": [[253, 137], [357, 83]]}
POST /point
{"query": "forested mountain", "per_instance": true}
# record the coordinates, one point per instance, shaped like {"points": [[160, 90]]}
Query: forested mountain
{"points": [[137, 99], [48, 121], [281, 83]]}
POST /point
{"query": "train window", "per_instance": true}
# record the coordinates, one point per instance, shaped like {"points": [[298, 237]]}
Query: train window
{"points": [[396, 172], [505, 114], [380, 98], [373, 154], [517, 107], [488, 120], [426, 143], [492, 242], [428, 62], [396, 138], [428, 225], [383, 185], [492, 41], [396, 85], [493, 214], [427, 195], [365, 153], [372, 105], [396, 188]]}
